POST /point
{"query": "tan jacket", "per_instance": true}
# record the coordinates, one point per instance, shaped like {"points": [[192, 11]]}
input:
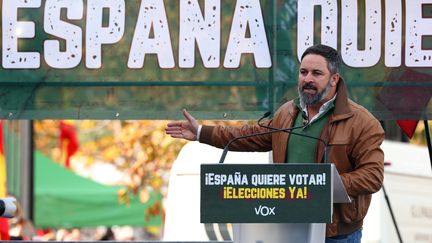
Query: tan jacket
{"points": [[354, 137]]}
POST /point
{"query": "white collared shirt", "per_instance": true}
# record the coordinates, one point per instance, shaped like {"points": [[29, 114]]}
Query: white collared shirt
{"points": [[323, 109]]}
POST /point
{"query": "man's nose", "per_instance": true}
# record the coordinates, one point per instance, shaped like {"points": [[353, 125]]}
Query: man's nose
{"points": [[308, 78]]}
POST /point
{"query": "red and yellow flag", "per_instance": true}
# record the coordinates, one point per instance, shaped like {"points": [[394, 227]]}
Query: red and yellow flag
{"points": [[4, 225], [68, 141]]}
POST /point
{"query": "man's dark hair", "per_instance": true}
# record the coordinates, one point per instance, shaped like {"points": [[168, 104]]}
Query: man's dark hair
{"points": [[331, 55]]}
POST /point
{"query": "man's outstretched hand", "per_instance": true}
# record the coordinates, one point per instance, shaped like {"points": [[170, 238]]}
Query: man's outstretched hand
{"points": [[183, 129]]}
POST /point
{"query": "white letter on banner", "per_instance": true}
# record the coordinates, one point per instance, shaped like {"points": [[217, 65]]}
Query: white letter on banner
{"points": [[247, 14], [96, 34], [53, 25], [152, 14], [350, 53], [305, 20], [13, 30], [206, 33], [393, 33], [416, 28]]}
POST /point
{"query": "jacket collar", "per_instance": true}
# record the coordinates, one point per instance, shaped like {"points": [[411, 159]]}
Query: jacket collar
{"points": [[341, 103]]}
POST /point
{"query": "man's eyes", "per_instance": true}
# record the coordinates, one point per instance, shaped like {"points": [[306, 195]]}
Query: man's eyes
{"points": [[315, 73]]}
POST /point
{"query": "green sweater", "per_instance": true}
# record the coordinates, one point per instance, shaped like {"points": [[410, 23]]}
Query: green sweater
{"points": [[303, 149]]}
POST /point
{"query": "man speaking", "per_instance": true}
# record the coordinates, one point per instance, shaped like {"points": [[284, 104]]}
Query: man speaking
{"points": [[322, 111]]}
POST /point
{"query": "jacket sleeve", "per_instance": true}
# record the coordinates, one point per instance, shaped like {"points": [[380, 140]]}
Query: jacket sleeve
{"points": [[368, 160], [219, 136]]}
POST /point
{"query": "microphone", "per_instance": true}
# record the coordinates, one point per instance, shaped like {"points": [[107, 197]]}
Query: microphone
{"points": [[274, 130], [267, 114], [305, 123]]}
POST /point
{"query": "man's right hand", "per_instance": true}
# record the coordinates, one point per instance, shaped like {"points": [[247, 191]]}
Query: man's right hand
{"points": [[183, 129]]}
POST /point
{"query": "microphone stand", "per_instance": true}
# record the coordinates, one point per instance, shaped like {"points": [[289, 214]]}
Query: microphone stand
{"points": [[274, 130], [225, 150]]}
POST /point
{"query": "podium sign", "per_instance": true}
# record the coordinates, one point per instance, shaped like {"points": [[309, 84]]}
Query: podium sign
{"points": [[266, 193]]}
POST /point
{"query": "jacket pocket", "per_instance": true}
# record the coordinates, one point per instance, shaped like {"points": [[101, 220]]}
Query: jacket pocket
{"points": [[356, 210]]}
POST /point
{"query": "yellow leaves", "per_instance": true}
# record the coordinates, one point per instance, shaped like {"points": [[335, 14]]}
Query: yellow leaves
{"points": [[419, 135], [47, 134], [144, 195], [139, 148], [89, 147], [156, 183], [123, 197], [158, 136], [105, 142], [87, 124], [111, 153]]}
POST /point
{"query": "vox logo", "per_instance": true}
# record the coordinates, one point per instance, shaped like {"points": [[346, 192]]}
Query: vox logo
{"points": [[264, 210]]}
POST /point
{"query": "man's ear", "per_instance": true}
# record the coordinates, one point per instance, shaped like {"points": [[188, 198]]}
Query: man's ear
{"points": [[334, 79]]}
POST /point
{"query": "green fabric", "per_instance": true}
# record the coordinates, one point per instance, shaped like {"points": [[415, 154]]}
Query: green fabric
{"points": [[65, 199], [115, 91], [303, 149]]}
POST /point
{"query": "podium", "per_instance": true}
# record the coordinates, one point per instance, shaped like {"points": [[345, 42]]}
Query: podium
{"points": [[293, 204]]}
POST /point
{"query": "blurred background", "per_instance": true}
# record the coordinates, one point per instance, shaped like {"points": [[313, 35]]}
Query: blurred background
{"points": [[88, 179], [95, 179]]}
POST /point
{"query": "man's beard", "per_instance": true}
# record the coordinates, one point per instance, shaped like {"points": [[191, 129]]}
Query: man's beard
{"points": [[312, 99]]}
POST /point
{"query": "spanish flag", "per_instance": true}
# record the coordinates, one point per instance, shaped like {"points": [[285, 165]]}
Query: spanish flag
{"points": [[4, 225], [68, 141]]}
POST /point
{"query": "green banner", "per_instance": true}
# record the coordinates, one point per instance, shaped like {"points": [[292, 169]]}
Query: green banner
{"points": [[270, 193], [148, 59]]}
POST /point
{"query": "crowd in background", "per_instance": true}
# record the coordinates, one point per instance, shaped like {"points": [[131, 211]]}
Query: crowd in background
{"points": [[21, 229]]}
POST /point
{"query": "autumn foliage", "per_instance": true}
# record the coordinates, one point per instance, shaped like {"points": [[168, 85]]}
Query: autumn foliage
{"points": [[139, 148]]}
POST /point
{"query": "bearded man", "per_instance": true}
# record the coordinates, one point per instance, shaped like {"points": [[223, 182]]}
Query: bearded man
{"points": [[322, 110]]}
